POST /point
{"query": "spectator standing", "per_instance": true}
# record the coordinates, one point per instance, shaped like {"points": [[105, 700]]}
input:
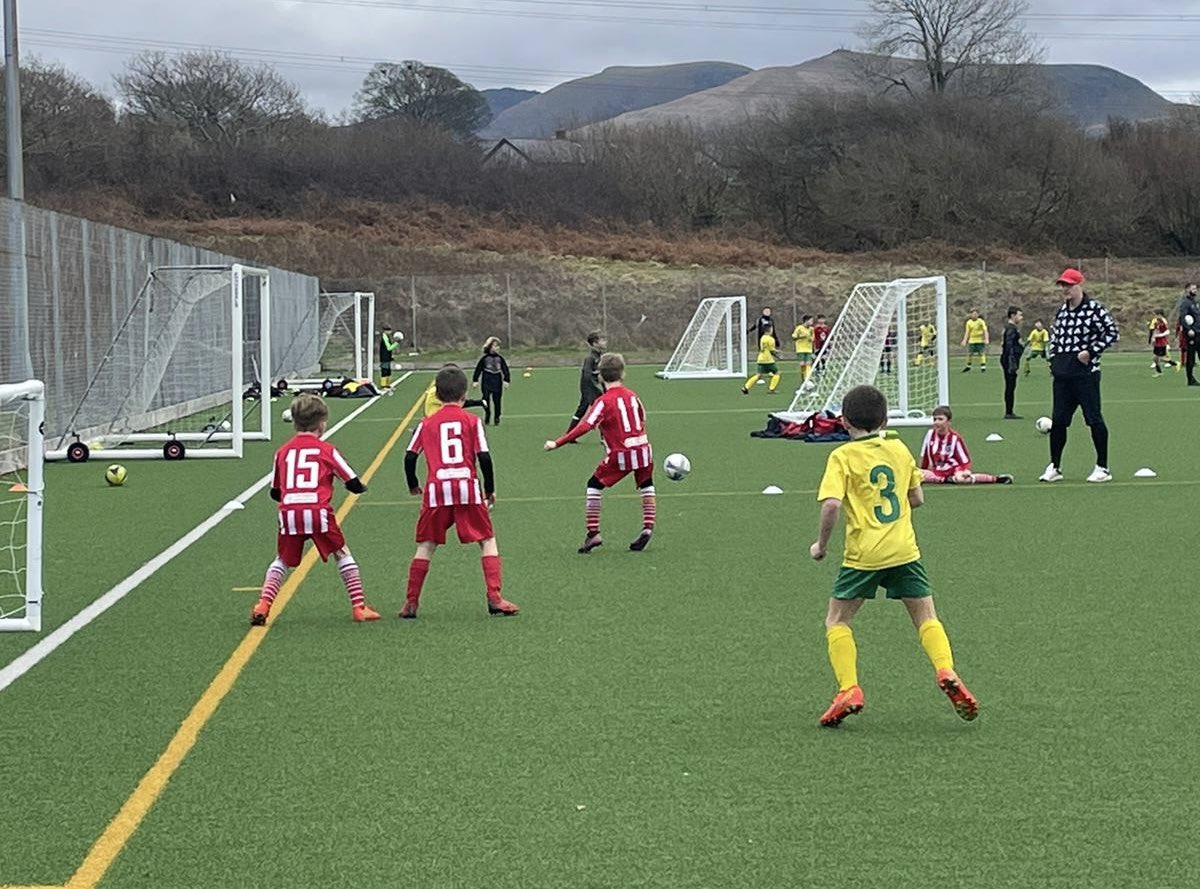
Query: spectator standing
{"points": [[1188, 333], [1010, 359]]}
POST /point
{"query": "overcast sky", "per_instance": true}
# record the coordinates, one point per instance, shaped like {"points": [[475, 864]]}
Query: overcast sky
{"points": [[327, 45]]}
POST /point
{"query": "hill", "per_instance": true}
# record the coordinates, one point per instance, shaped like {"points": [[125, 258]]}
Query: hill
{"points": [[1087, 94], [500, 100], [608, 94]]}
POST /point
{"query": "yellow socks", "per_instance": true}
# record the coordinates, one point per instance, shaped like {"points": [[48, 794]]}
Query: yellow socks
{"points": [[750, 382], [775, 378], [385, 381], [843, 655], [936, 644]]}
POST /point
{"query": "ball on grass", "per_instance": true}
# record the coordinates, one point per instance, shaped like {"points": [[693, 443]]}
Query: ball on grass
{"points": [[287, 415], [1043, 424], [677, 466], [226, 425], [115, 475]]}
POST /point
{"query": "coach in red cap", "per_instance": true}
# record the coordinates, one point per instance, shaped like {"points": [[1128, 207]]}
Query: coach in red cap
{"points": [[1082, 330]]}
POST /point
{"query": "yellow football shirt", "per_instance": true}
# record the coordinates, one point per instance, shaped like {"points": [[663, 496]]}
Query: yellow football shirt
{"points": [[1037, 339], [976, 330], [433, 404], [928, 335], [766, 349], [803, 338], [872, 477]]}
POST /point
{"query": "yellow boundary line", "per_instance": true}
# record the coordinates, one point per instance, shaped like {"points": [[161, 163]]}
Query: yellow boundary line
{"points": [[131, 814]]}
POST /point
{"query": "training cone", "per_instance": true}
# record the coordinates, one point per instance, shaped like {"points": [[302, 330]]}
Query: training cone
{"points": [[772, 489], [1145, 472], [995, 436], [18, 488], [234, 504]]}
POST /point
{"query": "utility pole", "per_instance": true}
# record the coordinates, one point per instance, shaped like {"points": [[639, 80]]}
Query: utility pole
{"points": [[12, 95]]}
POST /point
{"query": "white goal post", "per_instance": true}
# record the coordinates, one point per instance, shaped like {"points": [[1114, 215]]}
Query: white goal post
{"points": [[194, 338], [891, 335], [714, 344], [22, 412]]}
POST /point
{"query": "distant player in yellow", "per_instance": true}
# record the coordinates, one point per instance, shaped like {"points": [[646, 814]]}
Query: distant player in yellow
{"points": [[767, 358], [877, 481], [928, 334], [976, 339], [433, 404], [802, 337], [1037, 339]]}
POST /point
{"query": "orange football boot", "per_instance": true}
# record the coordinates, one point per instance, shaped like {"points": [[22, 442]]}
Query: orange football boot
{"points": [[258, 614], [963, 701], [845, 703], [364, 612]]}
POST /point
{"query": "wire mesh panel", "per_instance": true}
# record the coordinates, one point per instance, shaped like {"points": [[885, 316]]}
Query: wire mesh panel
{"points": [[22, 409]]}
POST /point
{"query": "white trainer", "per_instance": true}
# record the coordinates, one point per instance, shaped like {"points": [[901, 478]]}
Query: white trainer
{"points": [[1051, 474], [1100, 474]]}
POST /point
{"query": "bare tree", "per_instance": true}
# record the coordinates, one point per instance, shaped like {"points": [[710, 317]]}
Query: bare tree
{"points": [[952, 41], [219, 100], [422, 93]]}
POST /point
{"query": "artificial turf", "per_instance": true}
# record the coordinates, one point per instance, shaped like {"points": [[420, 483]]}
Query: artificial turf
{"points": [[649, 719]]}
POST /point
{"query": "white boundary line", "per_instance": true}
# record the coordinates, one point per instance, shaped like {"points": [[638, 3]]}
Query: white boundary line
{"points": [[38, 652]]}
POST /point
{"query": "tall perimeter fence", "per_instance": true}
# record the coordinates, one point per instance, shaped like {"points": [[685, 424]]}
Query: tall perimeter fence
{"points": [[645, 309], [83, 279]]}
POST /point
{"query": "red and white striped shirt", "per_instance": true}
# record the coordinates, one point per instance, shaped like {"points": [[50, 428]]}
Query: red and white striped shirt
{"points": [[944, 453], [621, 419], [305, 468], [451, 440]]}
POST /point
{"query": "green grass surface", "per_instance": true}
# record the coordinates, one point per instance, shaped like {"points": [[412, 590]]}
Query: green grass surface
{"points": [[649, 719]]}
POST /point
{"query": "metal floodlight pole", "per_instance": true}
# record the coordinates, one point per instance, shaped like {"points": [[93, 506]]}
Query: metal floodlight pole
{"points": [[12, 90]]}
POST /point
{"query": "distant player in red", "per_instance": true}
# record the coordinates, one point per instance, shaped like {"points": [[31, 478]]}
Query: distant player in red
{"points": [[619, 415], [945, 459], [820, 335], [303, 486], [452, 441], [1160, 341]]}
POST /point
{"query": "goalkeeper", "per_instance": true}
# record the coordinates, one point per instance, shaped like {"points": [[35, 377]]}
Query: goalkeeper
{"points": [[768, 355], [389, 342]]}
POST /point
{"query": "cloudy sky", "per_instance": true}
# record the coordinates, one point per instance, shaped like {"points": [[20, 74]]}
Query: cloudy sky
{"points": [[327, 45]]}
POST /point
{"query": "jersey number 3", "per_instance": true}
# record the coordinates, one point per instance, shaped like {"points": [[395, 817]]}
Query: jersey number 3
{"points": [[887, 494]]}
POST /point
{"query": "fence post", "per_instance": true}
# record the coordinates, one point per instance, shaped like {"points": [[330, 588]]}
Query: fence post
{"points": [[604, 308], [508, 304], [412, 291]]}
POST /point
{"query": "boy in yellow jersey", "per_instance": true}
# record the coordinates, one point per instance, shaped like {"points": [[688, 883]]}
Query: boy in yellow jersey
{"points": [[433, 404], [1037, 339], [802, 336], [928, 334], [767, 356], [878, 483], [976, 339]]}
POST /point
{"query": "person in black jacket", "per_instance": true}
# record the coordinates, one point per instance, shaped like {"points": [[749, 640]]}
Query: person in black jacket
{"points": [[1010, 359], [589, 377], [494, 370], [1190, 333]]}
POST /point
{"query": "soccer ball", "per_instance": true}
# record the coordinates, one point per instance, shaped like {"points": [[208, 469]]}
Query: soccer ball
{"points": [[226, 425], [677, 466], [1043, 424], [115, 475], [287, 415]]}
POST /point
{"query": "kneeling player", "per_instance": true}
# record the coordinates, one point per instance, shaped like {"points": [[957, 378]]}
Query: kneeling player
{"points": [[303, 485], [945, 459], [452, 441], [622, 422]]}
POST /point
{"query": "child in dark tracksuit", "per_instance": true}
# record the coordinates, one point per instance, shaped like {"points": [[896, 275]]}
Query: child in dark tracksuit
{"points": [[493, 370]]}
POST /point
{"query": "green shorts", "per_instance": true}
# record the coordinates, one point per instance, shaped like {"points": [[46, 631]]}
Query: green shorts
{"points": [[771, 368], [804, 357], [976, 348], [906, 581], [1037, 354]]}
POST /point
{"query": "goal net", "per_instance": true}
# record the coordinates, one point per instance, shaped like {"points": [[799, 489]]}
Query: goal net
{"points": [[890, 335], [714, 344], [348, 334], [184, 370], [22, 410]]}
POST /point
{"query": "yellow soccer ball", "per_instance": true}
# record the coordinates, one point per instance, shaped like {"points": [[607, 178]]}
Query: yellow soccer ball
{"points": [[115, 475]]}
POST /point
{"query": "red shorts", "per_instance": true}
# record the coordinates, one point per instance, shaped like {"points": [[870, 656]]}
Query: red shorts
{"points": [[943, 474], [473, 521], [290, 547], [619, 464]]}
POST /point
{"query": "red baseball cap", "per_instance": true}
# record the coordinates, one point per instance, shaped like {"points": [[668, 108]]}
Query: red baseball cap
{"points": [[1070, 277]]}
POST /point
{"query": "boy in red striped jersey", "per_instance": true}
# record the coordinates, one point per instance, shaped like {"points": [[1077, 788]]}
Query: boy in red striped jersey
{"points": [[619, 415], [303, 486], [945, 458], [452, 441]]}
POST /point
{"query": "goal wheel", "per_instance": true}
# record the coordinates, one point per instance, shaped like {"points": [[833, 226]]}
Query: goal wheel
{"points": [[77, 452], [174, 450]]}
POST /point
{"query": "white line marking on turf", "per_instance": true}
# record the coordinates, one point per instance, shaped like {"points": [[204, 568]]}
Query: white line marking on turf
{"points": [[34, 655]]}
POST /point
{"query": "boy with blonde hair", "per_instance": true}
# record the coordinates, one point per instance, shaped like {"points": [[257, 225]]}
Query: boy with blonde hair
{"points": [[876, 481]]}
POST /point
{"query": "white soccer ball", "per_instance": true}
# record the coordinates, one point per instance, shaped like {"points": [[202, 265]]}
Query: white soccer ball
{"points": [[226, 425], [1043, 425], [677, 466], [1189, 320], [287, 415]]}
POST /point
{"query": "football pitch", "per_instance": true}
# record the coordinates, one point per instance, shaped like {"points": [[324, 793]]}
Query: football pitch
{"points": [[649, 719]]}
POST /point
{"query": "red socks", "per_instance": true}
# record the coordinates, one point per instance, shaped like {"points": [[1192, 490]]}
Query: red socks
{"points": [[416, 578], [491, 576]]}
